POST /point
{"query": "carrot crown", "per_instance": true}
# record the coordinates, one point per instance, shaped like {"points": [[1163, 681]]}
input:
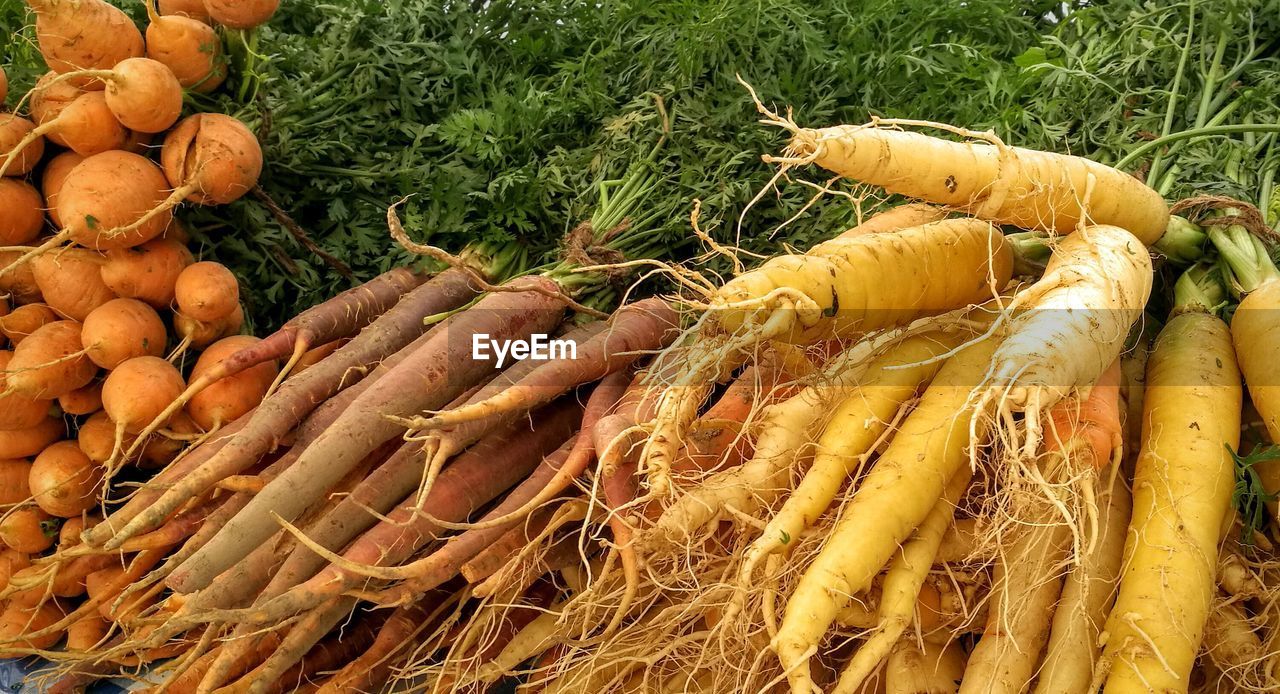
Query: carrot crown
{"points": [[1183, 241], [1245, 258], [1200, 288]]}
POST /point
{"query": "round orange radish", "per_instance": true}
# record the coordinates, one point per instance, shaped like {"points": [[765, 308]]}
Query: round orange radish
{"points": [[160, 450], [86, 634], [144, 95], [11, 562], [186, 8], [50, 362], [15, 487], [23, 443], [212, 159], [108, 192], [18, 411], [201, 335], [148, 272], [122, 329], [21, 212], [71, 281], [241, 14], [87, 126], [190, 48], [13, 130], [97, 438], [28, 530], [82, 401], [20, 282], [207, 291], [225, 400], [69, 533], [138, 142], [55, 172], [17, 621], [138, 390], [85, 34], [64, 481], [24, 320], [49, 97]]}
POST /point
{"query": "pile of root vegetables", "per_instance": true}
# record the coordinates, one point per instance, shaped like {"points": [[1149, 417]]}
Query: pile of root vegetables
{"points": [[999, 439]]}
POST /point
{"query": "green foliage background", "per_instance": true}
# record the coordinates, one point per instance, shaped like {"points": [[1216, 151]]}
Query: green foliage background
{"points": [[499, 117]]}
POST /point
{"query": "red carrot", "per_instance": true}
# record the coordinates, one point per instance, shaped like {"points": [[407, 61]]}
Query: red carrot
{"points": [[333, 652], [429, 378], [475, 478], [635, 329], [373, 667]]}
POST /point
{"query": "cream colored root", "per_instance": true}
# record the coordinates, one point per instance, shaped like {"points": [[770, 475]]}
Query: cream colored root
{"points": [[1094, 289], [1070, 664], [299, 349], [1231, 641], [924, 668], [901, 588]]}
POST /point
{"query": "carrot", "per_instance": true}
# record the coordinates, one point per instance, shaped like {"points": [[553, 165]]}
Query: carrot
{"points": [[475, 477], [137, 390], [333, 652], [313, 356], [82, 401], [84, 34], [24, 320], [71, 282], [299, 396], [55, 173], [1074, 321], [11, 562], [27, 627], [64, 482], [14, 483], [209, 159], [21, 443], [96, 437], [18, 281], [50, 362], [120, 330], [1183, 484], [143, 94], [108, 201], [21, 212], [87, 634], [18, 412], [929, 448], [427, 379], [646, 325], [86, 125], [342, 315], [190, 48], [147, 272], [206, 291], [201, 335], [184, 8], [373, 667], [15, 132], [230, 397], [26, 530], [924, 668], [850, 436], [50, 95], [241, 14], [828, 292], [103, 587], [984, 177]]}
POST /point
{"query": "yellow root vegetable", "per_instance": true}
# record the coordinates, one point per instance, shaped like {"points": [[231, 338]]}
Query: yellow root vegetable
{"points": [[1182, 491], [850, 436], [924, 668], [931, 445], [1072, 653], [901, 588], [986, 179], [841, 288]]}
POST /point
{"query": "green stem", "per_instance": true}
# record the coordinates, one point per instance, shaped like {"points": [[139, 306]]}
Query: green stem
{"points": [[1208, 131], [1173, 93], [1245, 256], [1199, 288], [1030, 252], [1211, 81], [1183, 241]]}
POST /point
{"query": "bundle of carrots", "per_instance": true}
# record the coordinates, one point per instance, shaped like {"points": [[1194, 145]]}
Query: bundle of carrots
{"points": [[949, 450]]}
